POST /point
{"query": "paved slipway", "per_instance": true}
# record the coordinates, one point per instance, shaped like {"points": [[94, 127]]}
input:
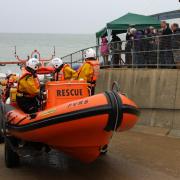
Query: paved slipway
{"points": [[131, 156]]}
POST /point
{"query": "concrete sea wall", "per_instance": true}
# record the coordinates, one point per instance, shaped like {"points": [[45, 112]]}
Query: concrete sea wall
{"points": [[155, 91]]}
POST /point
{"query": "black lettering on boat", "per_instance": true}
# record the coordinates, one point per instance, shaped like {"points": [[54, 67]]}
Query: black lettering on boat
{"points": [[78, 103], [67, 92], [80, 93], [70, 92], [63, 92], [58, 92]]}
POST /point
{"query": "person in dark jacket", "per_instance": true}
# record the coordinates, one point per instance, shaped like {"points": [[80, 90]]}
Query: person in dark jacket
{"points": [[128, 48], [166, 57], [176, 43], [138, 47], [115, 47], [150, 47]]}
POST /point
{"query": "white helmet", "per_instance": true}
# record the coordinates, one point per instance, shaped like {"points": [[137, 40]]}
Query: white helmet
{"points": [[89, 53], [57, 62], [33, 63]]}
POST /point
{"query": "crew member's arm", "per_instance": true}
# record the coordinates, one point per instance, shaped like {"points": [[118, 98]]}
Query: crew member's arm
{"points": [[32, 86], [71, 72]]}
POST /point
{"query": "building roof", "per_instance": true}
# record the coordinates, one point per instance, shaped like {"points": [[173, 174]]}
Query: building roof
{"points": [[167, 15]]}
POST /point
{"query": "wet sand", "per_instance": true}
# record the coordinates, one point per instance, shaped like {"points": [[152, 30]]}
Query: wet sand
{"points": [[131, 156]]}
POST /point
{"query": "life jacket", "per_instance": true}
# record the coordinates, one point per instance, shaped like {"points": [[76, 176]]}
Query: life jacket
{"points": [[96, 67], [61, 74], [10, 81], [37, 83]]}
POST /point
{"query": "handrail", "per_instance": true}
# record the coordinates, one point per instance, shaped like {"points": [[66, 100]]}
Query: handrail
{"points": [[79, 51], [160, 44]]}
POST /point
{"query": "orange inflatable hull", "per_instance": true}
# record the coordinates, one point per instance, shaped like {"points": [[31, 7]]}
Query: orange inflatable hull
{"points": [[79, 128]]}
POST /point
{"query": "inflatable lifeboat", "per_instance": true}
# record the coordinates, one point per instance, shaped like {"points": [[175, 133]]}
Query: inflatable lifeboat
{"points": [[70, 121]]}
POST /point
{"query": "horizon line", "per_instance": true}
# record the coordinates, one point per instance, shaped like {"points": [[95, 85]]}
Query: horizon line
{"points": [[47, 33]]}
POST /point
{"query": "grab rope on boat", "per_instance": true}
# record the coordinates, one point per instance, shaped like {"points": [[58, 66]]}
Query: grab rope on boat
{"points": [[115, 114], [115, 86], [115, 89]]}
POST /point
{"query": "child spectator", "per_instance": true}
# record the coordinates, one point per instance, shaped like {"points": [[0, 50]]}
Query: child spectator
{"points": [[104, 50]]}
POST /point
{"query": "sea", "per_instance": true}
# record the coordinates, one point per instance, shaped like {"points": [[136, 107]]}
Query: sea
{"points": [[44, 43]]}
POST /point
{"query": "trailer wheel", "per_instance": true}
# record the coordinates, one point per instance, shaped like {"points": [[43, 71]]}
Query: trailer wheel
{"points": [[11, 157]]}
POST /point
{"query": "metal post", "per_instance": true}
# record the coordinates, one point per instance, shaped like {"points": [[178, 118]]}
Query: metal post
{"points": [[97, 47], [97, 52], [158, 52], [109, 31], [132, 52], [15, 51], [54, 53], [82, 55], [97, 41], [71, 60]]}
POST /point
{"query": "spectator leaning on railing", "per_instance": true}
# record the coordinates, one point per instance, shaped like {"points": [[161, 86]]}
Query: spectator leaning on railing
{"points": [[176, 43], [149, 46], [131, 37], [166, 57], [128, 47], [115, 47], [138, 58]]}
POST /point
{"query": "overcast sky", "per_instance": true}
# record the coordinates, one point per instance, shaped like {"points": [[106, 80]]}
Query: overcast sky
{"points": [[72, 16]]}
